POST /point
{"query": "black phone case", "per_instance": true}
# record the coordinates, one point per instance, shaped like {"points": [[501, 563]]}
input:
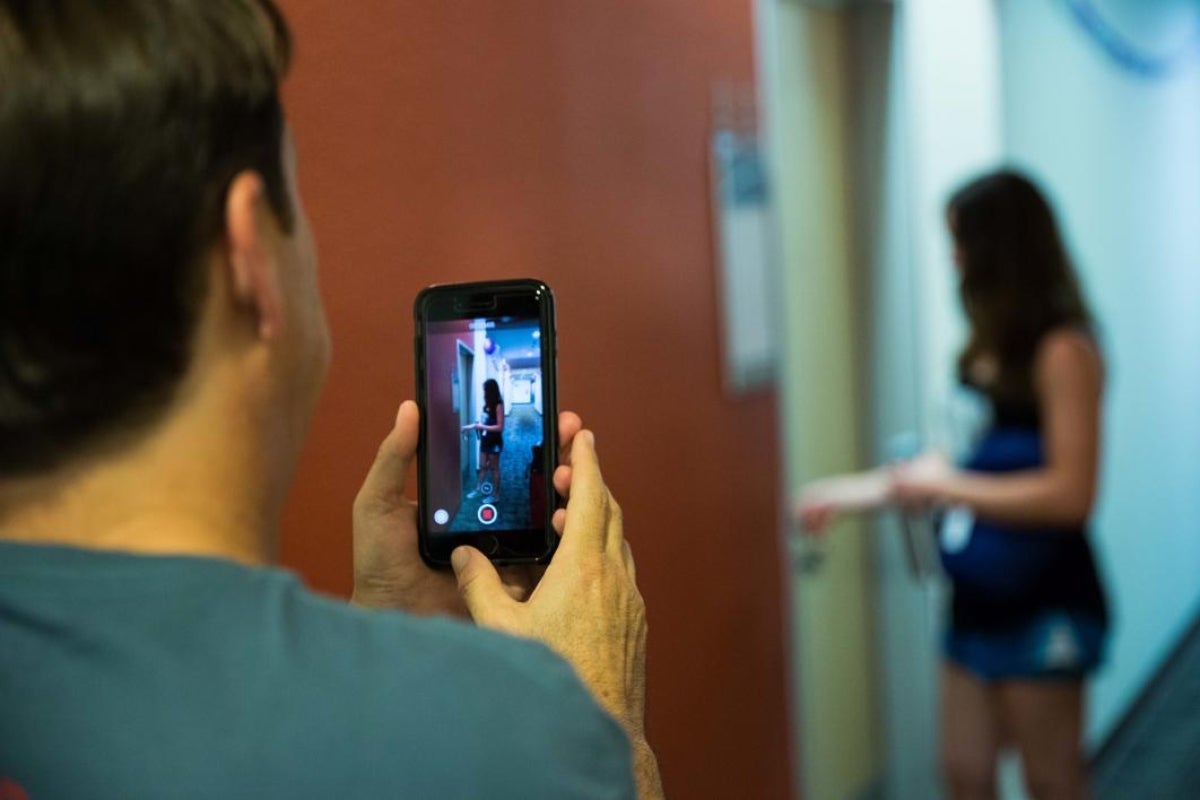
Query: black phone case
{"points": [[453, 301]]}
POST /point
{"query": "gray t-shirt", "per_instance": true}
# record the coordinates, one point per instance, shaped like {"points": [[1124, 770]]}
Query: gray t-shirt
{"points": [[134, 677]]}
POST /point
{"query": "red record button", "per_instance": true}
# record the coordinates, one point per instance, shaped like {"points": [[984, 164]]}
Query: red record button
{"points": [[488, 514]]}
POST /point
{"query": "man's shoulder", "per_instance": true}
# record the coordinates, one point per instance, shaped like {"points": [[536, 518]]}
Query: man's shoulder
{"points": [[287, 690], [445, 694], [450, 647]]}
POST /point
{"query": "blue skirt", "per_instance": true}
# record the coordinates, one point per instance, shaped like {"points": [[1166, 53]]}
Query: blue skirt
{"points": [[1062, 645]]}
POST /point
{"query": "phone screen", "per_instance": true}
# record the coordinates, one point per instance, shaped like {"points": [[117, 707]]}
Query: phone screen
{"points": [[487, 414]]}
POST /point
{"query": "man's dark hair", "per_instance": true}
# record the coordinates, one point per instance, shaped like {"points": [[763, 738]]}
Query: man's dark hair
{"points": [[122, 124]]}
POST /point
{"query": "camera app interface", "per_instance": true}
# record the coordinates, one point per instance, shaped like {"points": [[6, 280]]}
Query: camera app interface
{"points": [[485, 425]]}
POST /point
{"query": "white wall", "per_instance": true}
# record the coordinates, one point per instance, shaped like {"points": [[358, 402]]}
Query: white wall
{"points": [[929, 117], [952, 60], [890, 333], [1121, 156]]}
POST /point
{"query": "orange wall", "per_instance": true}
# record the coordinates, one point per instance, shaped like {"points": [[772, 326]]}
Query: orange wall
{"points": [[445, 141]]}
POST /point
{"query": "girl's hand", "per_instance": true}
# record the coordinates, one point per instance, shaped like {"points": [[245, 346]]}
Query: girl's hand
{"points": [[923, 481], [820, 502], [814, 514]]}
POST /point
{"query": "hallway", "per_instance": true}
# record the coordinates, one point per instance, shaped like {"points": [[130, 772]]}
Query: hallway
{"points": [[1156, 752], [522, 430]]}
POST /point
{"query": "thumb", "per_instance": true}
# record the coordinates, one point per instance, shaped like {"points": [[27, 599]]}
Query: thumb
{"points": [[385, 481], [479, 583]]}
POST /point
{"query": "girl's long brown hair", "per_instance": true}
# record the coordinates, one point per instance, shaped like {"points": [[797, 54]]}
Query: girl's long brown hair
{"points": [[1017, 282]]}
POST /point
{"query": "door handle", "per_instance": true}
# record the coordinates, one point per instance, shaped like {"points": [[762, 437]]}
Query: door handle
{"points": [[920, 549], [808, 555]]}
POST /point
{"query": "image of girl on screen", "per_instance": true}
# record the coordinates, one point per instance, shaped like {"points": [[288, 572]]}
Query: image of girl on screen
{"points": [[1028, 616], [491, 443]]}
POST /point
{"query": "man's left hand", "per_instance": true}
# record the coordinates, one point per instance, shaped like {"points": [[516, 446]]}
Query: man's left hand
{"points": [[388, 569]]}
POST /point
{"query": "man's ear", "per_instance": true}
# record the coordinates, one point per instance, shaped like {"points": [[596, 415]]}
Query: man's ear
{"points": [[254, 275]]}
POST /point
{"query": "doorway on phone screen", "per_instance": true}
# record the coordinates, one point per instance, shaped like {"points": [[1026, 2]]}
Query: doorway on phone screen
{"points": [[485, 417]]}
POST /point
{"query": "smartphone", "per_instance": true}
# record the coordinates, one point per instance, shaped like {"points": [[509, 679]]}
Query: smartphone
{"points": [[486, 384]]}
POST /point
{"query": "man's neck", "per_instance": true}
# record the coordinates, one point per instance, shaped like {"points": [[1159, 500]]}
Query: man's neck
{"points": [[141, 533], [191, 486]]}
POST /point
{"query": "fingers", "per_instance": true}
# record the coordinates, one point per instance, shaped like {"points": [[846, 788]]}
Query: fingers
{"points": [[387, 476], [562, 481], [479, 583], [814, 517], [818, 519], [569, 424], [593, 518], [585, 466]]}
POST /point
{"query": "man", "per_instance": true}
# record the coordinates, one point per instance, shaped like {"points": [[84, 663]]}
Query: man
{"points": [[162, 345]]}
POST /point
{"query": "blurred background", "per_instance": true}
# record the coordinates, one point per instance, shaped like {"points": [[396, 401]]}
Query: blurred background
{"points": [[586, 142]]}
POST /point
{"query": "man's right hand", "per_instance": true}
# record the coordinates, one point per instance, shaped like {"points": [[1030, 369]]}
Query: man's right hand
{"points": [[586, 607]]}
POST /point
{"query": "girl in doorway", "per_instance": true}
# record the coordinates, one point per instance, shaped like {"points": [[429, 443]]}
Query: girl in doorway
{"points": [[491, 442], [1029, 617]]}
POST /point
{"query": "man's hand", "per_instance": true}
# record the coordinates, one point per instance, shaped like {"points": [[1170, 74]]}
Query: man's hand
{"points": [[388, 570], [586, 607]]}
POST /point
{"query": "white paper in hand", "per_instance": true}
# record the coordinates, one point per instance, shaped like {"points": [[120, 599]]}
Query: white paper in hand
{"points": [[850, 492]]}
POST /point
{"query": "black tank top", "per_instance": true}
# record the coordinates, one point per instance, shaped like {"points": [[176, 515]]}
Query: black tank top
{"points": [[491, 438], [1005, 575]]}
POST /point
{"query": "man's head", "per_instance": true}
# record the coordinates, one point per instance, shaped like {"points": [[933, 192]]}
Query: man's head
{"points": [[141, 142]]}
